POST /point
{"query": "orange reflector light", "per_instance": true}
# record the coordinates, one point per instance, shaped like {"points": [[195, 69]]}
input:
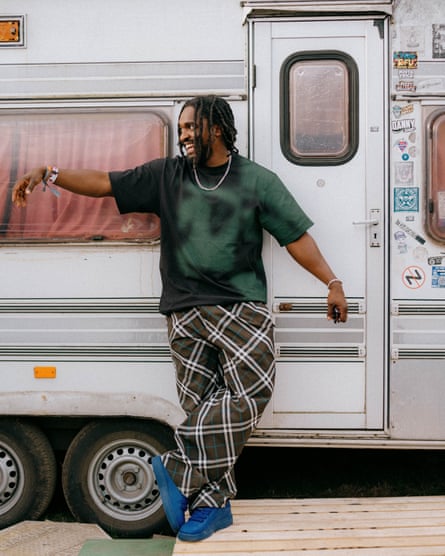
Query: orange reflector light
{"points": [[44, 372]]}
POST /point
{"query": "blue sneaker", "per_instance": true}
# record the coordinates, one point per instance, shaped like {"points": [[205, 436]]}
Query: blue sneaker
{"points": [[204, 521], [174, 502]]}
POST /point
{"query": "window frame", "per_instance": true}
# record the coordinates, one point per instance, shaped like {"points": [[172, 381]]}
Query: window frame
{"points": [[161, 113], [433, 228], [353, 108]]}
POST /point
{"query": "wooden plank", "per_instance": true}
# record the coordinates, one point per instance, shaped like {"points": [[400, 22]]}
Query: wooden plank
{"points": [[402, 526], [423, 551], [286, 523], [334, 501], [296, 546], [368, 505]]}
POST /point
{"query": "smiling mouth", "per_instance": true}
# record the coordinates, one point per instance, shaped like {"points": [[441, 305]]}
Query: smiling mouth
{"points": [[189, 149]]}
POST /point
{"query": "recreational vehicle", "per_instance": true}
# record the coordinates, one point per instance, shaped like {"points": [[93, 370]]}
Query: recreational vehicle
{"points": [[345, 101]]}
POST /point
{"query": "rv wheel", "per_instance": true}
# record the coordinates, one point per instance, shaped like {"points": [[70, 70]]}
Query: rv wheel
{"points": [[27, 472], [108, 479]]}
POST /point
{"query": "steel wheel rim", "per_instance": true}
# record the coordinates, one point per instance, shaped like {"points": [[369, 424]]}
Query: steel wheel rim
{"points": [[121, 480], [11, 479]]}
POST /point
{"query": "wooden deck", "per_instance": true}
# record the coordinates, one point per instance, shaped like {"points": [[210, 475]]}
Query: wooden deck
{"points": [[413, 526]]}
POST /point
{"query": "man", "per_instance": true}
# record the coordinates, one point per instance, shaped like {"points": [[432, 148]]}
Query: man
{"points": [[213, 205]]}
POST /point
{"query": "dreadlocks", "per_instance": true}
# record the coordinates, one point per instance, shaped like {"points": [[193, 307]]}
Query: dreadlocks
{"points": [[216, 111]]}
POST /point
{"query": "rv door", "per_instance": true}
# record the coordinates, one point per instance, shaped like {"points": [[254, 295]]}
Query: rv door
{"points": [[317, 119]]}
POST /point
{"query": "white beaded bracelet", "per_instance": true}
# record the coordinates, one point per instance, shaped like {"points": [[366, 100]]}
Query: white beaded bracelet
{"points": [[333, 281]]}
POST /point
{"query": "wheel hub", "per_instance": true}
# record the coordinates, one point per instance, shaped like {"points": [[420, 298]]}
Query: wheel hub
{"points": [[121, 477]]}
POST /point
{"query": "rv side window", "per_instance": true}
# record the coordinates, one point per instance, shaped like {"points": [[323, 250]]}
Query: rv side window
{"points": [[319, 107], [103, 141], [435, 218]]}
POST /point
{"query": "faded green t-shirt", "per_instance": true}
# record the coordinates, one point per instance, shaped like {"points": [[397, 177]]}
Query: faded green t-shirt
{"points": [[211, 241]]}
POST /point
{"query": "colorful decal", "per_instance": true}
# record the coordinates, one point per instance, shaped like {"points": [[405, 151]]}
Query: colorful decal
{"points": [[402, 144], [406, 86], [404, 173], [406, 199], [410, 232], [405, 60], [399, 111], [413, 277], [438, 277], [403, 125], [438, 40]]}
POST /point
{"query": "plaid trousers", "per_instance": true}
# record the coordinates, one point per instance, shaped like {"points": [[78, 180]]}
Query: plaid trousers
{"points": [[225, 372]]}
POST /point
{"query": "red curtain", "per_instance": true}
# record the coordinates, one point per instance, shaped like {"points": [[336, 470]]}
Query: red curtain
{"points": [[102, 141]]}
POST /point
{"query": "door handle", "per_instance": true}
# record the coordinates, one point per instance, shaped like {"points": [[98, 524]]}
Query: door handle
{"points": [[371, 222], [374, 227]]}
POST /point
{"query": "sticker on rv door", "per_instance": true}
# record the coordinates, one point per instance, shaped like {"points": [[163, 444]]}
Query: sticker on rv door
{"points": [[438, 277], [406, 199], [413, 277]]}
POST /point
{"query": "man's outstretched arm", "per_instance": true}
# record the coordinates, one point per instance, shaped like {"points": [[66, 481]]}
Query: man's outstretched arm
{"points": [[93, 183]]}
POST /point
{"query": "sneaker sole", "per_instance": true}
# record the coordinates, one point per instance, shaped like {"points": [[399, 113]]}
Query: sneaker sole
{"points": [[206, 533]]}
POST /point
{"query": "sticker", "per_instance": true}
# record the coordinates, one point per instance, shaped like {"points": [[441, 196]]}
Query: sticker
{"points": [[402, 144], [438, 259], [405, 156], [405, 60], [428, 84], [404, 173], [398, 110], [420, 253], [412, 37], [400, 237], [406, 74], [403, 125], [406, 86], [413, 277], [438, 277], [410, 232], [406, 199], [438, 41]]}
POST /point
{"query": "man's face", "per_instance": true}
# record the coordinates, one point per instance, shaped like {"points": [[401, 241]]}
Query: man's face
{"points": [[189, 135]]}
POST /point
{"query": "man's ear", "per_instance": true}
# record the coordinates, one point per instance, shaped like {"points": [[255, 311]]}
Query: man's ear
{"points": [[216, 130]]}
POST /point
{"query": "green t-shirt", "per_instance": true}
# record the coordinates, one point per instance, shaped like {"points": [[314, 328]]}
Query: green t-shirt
{"points": [[211, 241]]}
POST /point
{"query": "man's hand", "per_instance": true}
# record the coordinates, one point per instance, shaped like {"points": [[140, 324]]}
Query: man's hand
{"points": [[26, 184], [337, 304]]}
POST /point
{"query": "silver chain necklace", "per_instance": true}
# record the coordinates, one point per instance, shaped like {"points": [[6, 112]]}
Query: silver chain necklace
{"points": [[205, 188]]}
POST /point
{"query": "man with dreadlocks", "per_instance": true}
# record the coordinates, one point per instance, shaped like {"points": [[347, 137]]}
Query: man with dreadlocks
{"points": [[213, 205]]}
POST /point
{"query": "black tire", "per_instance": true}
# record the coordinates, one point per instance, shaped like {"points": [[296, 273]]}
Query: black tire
{"points": [[27, 472], [107, 476]]}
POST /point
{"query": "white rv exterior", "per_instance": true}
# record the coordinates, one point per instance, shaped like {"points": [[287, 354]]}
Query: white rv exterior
{"points": [[345, 100]]}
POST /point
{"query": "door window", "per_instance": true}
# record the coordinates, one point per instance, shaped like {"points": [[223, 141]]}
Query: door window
{"points": [[319, 106]]}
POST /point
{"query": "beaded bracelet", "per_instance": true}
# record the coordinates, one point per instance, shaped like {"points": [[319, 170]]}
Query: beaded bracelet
{"points": [[333, 281]]}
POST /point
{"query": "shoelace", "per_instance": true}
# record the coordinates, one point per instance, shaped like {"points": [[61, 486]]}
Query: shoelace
{"points": [[201, 514]]}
